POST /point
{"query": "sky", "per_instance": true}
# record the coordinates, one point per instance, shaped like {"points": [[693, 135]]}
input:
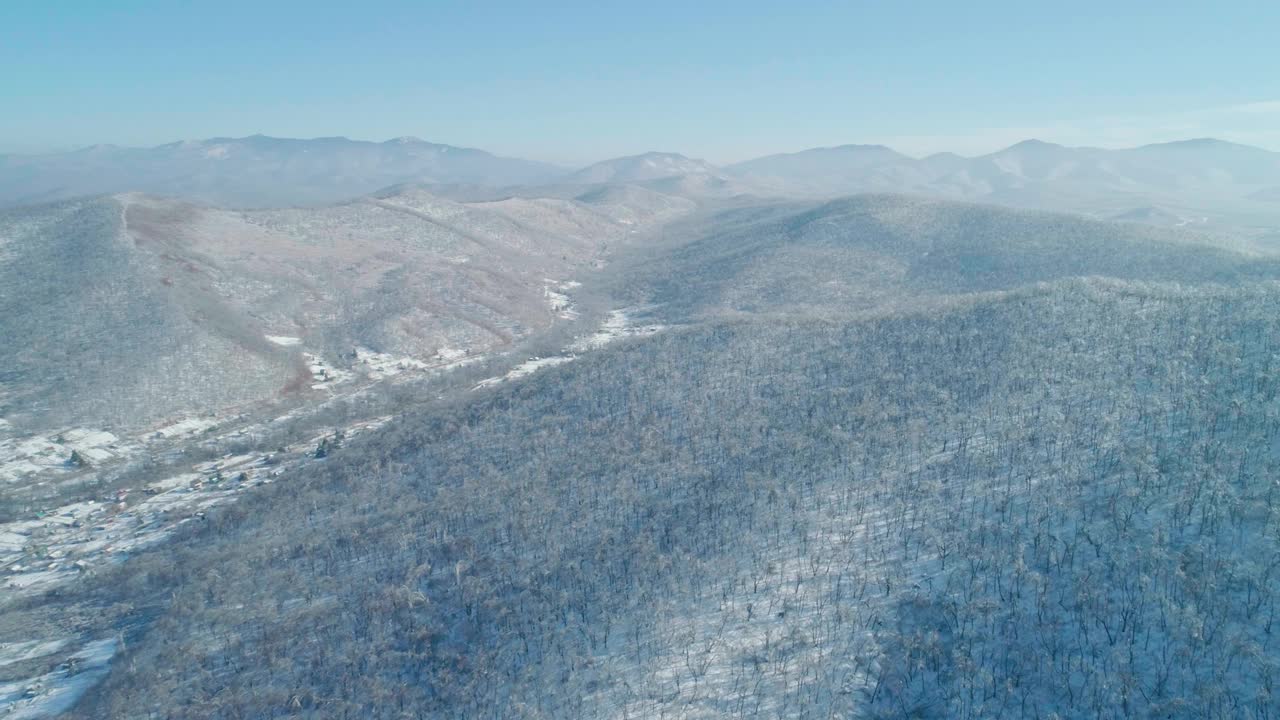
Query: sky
{"points": [[573, 82]]}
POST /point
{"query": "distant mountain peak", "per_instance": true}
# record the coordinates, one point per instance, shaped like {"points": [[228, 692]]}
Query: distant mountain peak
{"points": [[657, 155], [841, 169], [1033, 144], [1203, 143], [863, 146], [650, 165]]}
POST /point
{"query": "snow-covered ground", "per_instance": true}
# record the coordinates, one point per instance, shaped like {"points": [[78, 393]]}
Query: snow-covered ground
{"points": [[556, 292], [55, 692], [24, 456], [373, 366], [378, 365], [324, 375], [57, 544], [528, 367], [184, 428], [615, 327]]}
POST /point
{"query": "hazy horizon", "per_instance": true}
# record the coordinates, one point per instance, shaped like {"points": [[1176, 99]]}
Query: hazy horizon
{"points": [[677, 151], [578, 83]]}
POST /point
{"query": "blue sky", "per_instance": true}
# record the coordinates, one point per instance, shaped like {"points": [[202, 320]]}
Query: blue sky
{"points": [[577, 82]]}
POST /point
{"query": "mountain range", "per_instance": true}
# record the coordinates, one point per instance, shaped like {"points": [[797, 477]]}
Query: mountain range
{"points": [[257, 171], [1180, 183], [1194, 182]]}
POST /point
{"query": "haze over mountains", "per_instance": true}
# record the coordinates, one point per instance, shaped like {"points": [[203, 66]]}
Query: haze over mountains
{"points": [[257, 171], [1180, 183], [1203, 181]]}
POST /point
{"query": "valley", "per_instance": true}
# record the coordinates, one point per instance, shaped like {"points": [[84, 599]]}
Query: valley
{"points": [[65, 543], [633, 444]]}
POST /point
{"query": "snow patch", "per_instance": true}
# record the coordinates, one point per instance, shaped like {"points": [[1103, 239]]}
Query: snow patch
{"points": [[526, 368], [449, 355], [56, 692], [186, 427], [377, 366], [556, 293], [11, 653], [21, 457], [324, 374], [615, 327]]}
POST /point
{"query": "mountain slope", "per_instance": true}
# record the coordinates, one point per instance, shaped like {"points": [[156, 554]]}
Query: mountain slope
{"points": [[872, 250], [846, 169], [879, 456], [964, 513], [124, 309], [635, 205], [97, 329]]}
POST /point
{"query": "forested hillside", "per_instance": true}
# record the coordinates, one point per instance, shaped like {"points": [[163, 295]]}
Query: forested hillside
{"points": [[124, 310], [870, 251], [1055, 500]]}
